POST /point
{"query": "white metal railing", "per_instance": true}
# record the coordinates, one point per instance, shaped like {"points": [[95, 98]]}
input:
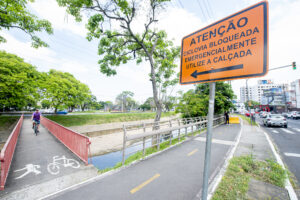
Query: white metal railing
{"points": [[156, 132]]}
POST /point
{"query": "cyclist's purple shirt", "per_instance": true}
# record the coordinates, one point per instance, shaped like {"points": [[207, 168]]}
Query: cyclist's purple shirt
{"points": [[36, 116]]}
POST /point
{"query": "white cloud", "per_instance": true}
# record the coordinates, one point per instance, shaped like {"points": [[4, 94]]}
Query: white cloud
{"points": [[178, 22], [24, 49], [284, 43], [59, 18]]}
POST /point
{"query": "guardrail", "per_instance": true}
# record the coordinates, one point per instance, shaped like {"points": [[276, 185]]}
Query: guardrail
{"points": [[156, 136], [77, 143], [7, 152]]}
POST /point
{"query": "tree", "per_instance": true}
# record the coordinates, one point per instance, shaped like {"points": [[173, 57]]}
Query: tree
{"points": [[65, 91], [13, 14], [123, 99], [124, 43], [108, 106], [195, 102], [251, 104], [169, 102], [18, 82]]}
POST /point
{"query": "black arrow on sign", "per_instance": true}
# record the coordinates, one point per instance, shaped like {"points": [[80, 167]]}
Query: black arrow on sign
{"points": [[234, 67]]}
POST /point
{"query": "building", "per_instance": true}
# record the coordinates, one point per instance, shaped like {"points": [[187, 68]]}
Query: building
{"points": [[256, 92], [295, 94]]}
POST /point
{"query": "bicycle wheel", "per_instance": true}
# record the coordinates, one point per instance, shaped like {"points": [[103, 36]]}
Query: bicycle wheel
{"points": [[35, 130], [53, 168]]}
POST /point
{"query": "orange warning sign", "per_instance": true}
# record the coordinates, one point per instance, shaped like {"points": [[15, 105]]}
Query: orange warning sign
{"points": [[233, 48]]}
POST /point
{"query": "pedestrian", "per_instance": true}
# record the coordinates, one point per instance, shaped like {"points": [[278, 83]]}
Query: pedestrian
{"points": [[226, 117]]}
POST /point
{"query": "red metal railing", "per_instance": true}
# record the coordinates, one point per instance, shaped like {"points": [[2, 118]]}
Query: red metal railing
{"points": [[7, 152], [77, 143]]}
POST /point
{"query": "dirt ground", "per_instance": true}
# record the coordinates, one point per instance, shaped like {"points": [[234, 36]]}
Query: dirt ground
{"points": [[107, 138], [4, 134]]}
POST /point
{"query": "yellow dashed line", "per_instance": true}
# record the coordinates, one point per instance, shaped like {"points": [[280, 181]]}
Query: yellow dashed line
{"points": [[192, 152], [134, 190]]}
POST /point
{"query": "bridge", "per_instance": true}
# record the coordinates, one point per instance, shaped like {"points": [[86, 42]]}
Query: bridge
{"points": [[55, 163], [53, 159]]}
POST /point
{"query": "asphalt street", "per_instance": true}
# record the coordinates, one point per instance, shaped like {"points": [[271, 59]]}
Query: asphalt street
{"points": [[174, 174], [287, 141]]}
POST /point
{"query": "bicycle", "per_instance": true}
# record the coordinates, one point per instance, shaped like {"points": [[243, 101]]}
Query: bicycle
{"points": [[35, 129], [54, 167]]}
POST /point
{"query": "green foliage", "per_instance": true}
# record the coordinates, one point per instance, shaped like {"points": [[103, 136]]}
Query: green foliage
{"points": [[7, 121], [120, 44], [251, 104], [247, 119], [23, 86], [18, 82], [79, 120], [148, 104], [125, 100], [63, 90], [139, 155], [234, 184], [14, 14], [194, 103]]}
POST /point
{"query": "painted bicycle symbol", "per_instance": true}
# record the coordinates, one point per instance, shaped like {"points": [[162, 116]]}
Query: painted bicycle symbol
{"points": [[54, 167]]}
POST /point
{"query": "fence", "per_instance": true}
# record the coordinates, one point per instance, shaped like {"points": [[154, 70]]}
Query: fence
{"points": [[77, 143], [163, 131], [7, 152]]}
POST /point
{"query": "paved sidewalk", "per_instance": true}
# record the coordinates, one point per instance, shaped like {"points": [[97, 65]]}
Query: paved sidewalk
{"points": [[253, 141]]}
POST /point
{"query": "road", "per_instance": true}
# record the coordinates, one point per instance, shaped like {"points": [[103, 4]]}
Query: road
{"points": [[173, 174], [288, 142]]}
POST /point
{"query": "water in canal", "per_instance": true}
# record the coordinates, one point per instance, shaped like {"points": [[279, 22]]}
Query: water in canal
{"points": [[111, 159]]}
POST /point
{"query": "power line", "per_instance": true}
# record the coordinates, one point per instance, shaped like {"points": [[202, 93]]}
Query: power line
{"points": [[180, 4], [211, 10], [202, 11], [206, 8]]}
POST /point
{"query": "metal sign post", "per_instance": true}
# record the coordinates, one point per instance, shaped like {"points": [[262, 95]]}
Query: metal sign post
{"points": [[235, 47], [212, 89]]}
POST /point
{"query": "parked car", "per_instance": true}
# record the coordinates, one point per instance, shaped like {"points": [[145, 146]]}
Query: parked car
{"points": [[284, 114], [275, 120], [62, 112], [296, 115], [263, 114], [289, 115]]}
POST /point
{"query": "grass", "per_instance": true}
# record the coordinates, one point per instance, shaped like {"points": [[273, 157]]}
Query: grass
{"points": [[90, 111], [247, 119], [139, 155], [7, 121], [79, 120], [235, 182]]}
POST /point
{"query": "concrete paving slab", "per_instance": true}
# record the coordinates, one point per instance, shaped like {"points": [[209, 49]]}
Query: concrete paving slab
{"points": [[262, 190]]}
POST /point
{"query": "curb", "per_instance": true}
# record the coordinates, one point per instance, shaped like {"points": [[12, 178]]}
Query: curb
{"points": [[288, 185], [214, 184]]}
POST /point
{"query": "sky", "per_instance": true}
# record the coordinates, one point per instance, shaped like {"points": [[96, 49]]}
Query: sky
{"points": [[70, 51]]}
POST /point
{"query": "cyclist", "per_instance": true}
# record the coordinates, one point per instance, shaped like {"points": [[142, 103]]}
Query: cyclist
{"points": [[36, 119]]}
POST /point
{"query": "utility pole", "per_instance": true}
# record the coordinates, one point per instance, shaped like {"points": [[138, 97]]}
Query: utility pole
{"points": [[248, 102], [285, 106], [247, 97]]}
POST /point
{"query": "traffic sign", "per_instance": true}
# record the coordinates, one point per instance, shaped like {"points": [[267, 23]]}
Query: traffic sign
{"points": [[235, 47]]}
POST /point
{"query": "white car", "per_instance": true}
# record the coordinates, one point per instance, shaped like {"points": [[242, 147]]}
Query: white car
{"points": [[275, 120], [296, 115], [289, 115]]}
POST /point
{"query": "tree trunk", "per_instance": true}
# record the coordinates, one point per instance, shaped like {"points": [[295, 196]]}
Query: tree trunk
{"points": [[55, 110]]}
